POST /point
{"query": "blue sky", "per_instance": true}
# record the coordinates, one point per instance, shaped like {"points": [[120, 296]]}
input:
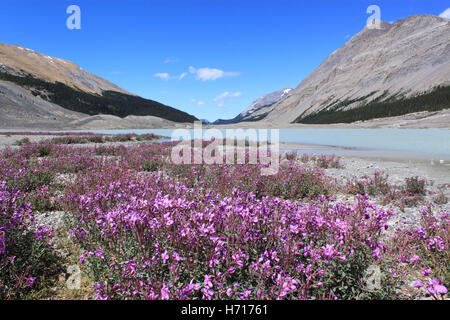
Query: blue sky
{"points": [[211, 58]]}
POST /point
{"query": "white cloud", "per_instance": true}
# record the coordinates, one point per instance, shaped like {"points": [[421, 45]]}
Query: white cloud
{"points": [[221, 96], [163, 76], [211, 74], [206, 74], [227, 95], [171, 60], [445, 14], [200, 103], [203, 74], [220, 99], [166, 76]]}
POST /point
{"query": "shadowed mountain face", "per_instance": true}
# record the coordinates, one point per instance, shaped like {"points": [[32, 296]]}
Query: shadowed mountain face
{"points": [[21, 109], [395, 63], [65, 84]]}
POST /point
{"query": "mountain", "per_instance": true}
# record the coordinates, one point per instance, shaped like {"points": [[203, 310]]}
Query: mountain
{"points": [[263, 105], [20, 109], [259, 108], [64, 84], [24, 61], [401, 68]]}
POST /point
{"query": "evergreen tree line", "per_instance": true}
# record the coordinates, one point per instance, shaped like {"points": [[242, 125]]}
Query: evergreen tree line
{"points": [[435, 100]]}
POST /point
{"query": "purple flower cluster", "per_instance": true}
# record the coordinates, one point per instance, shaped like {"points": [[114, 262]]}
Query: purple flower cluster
{"points": [[149, 229], [425, 248], [159, 238], [16, 220]]}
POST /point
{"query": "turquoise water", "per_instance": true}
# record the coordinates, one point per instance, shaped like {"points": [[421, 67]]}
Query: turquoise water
{"points": [[434, 143], [430, 142], [426, 143]]}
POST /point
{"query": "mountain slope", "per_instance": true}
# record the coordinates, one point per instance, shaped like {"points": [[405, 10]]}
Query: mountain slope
{"points": [[259, 108], [398, 62], [21, 109], [28, 62], [264, 102], [65, 84]]}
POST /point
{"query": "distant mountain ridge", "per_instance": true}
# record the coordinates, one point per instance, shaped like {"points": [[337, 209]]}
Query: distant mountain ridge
{"points": [[259, 108]]}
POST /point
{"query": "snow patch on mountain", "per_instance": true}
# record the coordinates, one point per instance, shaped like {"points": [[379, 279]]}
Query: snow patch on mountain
{"points": [[267, 100]]}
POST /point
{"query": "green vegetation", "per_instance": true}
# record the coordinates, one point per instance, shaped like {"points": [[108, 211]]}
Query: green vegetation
{"points": [[149, 166], [110, 102], [435, 100], [32, 180], [339, 105], [22, 141]]}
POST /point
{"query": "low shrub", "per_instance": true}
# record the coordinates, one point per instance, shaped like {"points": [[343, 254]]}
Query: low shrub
{"points": [[146, 137], [31, 180], [26, 258], [440, 198], [378, 185], [415, 186], [294, 182], [44, 150], [290, 156], [22, 141], [149, 166]]}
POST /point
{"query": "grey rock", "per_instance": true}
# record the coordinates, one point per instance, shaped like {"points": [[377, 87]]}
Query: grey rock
{"points": [[372, 278]]}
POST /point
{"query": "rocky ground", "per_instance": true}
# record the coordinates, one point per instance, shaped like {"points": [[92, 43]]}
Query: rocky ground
{"points": [[437, 176]]}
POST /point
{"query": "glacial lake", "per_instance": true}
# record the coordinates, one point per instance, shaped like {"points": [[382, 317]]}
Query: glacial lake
{"points": [[416, 143], [427, 144]]}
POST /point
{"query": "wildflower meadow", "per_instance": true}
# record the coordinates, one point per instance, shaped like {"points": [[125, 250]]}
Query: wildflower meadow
{"points": [[141, 227]]}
